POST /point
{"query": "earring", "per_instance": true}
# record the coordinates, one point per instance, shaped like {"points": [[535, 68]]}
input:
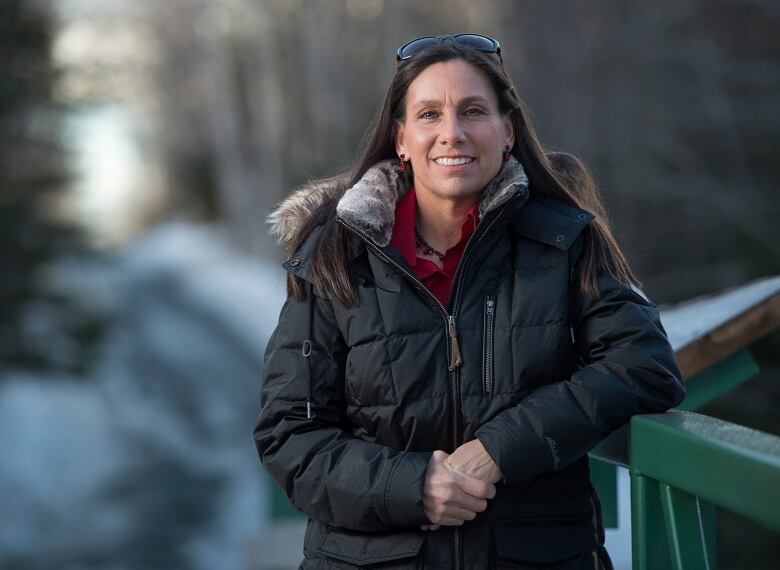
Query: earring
{"points": [[506, 154], [402, 165]]}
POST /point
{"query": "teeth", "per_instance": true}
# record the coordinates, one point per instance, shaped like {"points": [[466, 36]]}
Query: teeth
{"points": [[453, 161]]}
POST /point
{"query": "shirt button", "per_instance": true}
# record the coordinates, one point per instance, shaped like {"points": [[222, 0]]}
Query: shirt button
{"points": [[295, 262], [560, 237], [582, 216]]}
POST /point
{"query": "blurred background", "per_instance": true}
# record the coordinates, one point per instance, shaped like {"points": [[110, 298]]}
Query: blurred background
{"points": [[142, 145]]}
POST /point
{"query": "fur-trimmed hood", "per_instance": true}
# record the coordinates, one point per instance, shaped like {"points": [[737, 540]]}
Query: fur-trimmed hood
{"points": [[369, 205]]}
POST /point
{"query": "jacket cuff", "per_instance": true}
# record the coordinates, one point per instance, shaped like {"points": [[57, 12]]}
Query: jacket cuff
{"points": [[520, 459], [405, 487]]}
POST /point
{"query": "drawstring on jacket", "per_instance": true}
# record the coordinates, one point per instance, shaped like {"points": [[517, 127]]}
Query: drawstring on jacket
{"points": [[306, 348], [572, 275]]}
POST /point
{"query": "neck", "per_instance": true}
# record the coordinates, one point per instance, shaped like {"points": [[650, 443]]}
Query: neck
{"points": [[439, 221]]}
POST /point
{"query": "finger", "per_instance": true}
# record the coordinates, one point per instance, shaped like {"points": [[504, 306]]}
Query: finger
{"points": [[456, 512], [469, 502], [440, 456], [450, 521], [476, 487], [452, 496]]}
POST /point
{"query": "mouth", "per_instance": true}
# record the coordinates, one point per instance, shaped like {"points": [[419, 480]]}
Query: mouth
{"points": [[454, 160]]}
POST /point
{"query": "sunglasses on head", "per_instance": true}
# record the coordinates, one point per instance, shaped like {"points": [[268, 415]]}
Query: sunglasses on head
{"points": [[476, 41]]}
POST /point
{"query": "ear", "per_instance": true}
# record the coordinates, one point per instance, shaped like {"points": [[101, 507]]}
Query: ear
{"points": [[509, 131], [400, 147]]}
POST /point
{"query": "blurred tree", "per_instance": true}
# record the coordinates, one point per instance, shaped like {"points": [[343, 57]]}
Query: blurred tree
{"points": [[39, 327], [671, 106]]}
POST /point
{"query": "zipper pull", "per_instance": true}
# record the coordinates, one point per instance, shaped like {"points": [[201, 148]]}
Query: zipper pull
{"points": [[455, 360]]}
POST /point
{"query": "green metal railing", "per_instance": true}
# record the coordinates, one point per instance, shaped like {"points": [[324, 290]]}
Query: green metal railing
{"points": [[682, 464], [700, 390]]}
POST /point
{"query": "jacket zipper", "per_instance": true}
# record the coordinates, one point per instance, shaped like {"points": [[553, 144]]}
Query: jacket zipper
{"points": [[453, 349], [457, 536], [453, 360], [487, 344]]}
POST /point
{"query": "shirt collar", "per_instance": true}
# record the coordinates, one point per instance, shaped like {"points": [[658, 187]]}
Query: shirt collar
{"points": [[404, 238]]}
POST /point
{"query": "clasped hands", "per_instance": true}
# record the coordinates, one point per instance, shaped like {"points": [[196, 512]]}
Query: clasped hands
{"points": [[457, 485]]}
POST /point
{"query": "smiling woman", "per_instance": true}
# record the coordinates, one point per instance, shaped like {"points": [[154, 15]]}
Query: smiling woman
{"points": [[454, 135], [461, 328]]}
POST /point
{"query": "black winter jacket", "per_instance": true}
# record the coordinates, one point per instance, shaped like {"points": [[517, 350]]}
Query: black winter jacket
{"points": [[521, 358]]}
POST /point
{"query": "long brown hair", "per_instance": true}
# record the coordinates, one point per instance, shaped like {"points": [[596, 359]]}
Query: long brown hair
{"points": [[557, 174]]}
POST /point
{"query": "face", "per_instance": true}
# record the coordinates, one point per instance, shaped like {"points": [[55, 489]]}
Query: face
{"points": [[452, 112]]}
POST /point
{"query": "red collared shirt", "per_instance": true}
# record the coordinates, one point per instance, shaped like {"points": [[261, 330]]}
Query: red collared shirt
{"points": [[439, 281]]}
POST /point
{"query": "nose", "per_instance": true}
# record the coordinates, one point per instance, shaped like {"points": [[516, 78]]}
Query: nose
{"points": [[452, 129]]}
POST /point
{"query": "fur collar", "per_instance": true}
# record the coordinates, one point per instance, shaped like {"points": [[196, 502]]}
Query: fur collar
{"points": [[369, 205]]}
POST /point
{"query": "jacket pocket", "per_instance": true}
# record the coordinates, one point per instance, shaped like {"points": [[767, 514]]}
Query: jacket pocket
{"points": [[488, 329], [564, 545], [394, 550]]}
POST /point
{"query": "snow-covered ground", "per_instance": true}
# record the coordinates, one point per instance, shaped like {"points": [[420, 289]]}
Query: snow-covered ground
{"points": [[149, 462]]}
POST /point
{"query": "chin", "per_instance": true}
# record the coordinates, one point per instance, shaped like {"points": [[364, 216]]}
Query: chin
{"points": [[459, 191], [466, 185]]}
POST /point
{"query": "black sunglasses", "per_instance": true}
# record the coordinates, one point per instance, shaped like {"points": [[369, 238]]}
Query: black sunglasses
{"points": [[476, 41]]}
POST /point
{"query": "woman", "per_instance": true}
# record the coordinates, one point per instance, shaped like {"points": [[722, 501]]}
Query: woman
{"points": [[461, 329]]}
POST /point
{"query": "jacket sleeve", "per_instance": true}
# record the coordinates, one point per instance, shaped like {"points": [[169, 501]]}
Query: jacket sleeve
{"points": [[325, 471], [628, 367]]}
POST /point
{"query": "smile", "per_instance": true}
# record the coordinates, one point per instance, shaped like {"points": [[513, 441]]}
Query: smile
{"points": [[446, 161]]}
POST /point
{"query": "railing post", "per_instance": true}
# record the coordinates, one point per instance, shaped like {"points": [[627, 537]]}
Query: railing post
{"points": [[685, 530], [649, 546]]}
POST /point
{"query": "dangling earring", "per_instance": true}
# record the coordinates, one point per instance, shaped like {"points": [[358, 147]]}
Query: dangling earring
{"points": [[506, 154], [402, 165]]}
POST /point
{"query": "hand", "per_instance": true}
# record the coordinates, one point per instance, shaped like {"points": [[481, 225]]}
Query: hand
{"points": [[472, 459], [450, 496]]}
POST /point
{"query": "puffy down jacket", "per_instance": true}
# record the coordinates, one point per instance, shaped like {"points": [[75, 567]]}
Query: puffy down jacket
{"points": [[354, 401]]}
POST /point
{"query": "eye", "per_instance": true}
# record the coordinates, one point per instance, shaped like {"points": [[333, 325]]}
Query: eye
{"points": [[475, 110], [424, 113]]}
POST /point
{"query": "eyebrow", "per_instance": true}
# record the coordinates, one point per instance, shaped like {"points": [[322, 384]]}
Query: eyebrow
{"points": [[470, 99]]}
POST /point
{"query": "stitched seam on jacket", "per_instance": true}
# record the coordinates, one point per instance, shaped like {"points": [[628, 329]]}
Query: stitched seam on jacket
{"points": [[534, 325], [358, 405]]}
